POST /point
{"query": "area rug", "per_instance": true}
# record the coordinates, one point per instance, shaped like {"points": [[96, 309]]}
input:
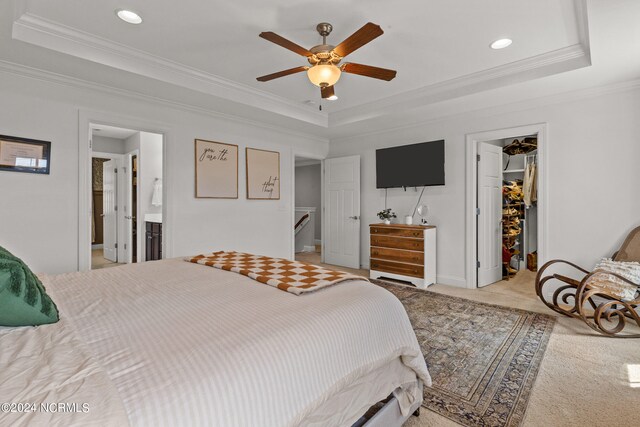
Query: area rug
{"points": [[483, 358]]}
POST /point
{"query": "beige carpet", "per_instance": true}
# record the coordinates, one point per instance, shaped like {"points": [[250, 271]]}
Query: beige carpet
{"points": [[585, 379], [98, 261]]}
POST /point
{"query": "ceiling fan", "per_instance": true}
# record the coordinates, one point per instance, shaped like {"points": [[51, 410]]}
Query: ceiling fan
{"points": [[325, 70]]}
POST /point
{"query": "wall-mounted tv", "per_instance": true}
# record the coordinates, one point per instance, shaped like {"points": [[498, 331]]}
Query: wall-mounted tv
{"points": [[414, 165]]}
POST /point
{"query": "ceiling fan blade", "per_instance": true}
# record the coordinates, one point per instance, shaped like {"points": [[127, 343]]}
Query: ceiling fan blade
{"points": [[287, 44], [369, 71], [358, 39], [327, 92], [281, 74]]}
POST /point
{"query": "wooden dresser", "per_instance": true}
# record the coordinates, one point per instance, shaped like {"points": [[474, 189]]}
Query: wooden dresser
{"points": [[403, 252]]}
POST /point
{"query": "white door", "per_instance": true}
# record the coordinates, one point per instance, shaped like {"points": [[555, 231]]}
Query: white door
{"points": [[109, 214], [342, 211], [490, 214]]}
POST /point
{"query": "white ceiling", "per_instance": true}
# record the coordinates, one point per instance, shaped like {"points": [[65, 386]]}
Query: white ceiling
{"points": [[426, 41], [209, 53]]}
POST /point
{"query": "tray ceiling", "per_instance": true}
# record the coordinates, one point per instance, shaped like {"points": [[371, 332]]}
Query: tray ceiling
{"points": [[440, 48]]}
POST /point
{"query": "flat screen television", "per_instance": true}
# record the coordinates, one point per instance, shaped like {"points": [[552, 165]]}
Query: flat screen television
{"points": [[414, 165]]}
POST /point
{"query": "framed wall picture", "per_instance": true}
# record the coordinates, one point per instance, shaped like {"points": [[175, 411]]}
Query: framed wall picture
{"points": [[263, 174], [216, 170], [24, 155]]}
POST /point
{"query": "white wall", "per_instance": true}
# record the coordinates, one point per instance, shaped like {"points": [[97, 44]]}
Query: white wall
{"points": [[132, 143], [150, 168], [594, 151], [39, 213], [309, 192], [104, 144]]}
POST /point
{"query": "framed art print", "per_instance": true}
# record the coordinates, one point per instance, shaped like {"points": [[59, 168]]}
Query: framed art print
{"points": [[263, 174], [24, 155], [216, 170]]}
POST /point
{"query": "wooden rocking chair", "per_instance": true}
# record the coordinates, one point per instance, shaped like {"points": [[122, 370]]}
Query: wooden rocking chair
{"points": [[598, 307]]}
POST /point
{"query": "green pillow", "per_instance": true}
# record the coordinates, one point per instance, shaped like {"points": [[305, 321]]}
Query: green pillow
{"points": [[23, 299]]}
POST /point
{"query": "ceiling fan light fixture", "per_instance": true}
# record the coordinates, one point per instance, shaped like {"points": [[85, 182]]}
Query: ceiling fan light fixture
{"points": [[324, 74], [501, 44], [328, 93], [129, 16]]}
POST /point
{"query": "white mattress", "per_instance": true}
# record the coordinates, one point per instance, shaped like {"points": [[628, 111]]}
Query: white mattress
{"points": [[175, 343]]}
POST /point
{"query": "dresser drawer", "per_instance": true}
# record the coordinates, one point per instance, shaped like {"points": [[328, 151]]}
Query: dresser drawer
{"points": [[398, 268], [398, 232], [398, 255], [394, 242]]}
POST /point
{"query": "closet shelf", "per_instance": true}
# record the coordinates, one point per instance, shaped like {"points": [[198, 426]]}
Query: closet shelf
{"points": [[513, 171]]}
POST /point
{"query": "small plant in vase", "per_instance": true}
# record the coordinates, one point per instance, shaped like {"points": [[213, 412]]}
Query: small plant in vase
{"points": [[386, 216]]}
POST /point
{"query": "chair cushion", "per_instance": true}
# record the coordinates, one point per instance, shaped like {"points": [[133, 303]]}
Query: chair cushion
{"points": [[613, 285], [23, 298]]}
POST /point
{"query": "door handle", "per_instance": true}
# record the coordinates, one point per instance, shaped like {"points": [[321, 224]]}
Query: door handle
{"points": [[102, 215], [127, 217], [354, 217]]}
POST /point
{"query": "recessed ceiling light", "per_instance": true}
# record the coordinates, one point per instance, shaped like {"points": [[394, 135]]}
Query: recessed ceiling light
{"points": [[333, 97], [501, 44], [129, 16]]}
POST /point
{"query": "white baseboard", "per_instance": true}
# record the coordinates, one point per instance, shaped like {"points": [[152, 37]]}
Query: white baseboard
{"points": [[99, 246], [318, 242], [459, 282], [308, 248]]}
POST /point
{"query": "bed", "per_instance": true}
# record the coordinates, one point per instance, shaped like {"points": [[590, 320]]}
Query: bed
{"points": [[176, 343]]}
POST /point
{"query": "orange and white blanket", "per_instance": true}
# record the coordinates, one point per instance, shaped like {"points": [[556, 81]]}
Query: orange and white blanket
{"points": [[292, 276]]}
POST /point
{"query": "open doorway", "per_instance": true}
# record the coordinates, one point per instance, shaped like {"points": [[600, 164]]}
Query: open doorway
{"points": [[126, 195], [507, 195], [308, 210], [507, 192]]}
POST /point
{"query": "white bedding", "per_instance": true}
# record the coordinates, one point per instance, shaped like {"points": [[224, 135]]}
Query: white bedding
{"points": [[184, 344]]}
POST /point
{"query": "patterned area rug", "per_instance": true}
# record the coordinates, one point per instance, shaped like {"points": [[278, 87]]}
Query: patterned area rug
{"points": [[483, 358]]}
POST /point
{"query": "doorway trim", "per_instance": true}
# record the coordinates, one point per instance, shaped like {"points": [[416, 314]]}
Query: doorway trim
{"points": [[296, 153], [86, 118], [472, 141], [127, 228]]}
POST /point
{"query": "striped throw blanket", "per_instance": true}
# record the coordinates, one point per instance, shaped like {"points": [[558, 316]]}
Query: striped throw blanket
{"points": [[291, 276]]}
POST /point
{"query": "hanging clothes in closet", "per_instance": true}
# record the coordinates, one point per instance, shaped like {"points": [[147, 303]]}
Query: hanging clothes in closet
{"points": [[530, 186]]}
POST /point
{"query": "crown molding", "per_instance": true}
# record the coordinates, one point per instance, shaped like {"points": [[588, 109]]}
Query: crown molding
{"points": [[512, 107], [557, 61], [565, 59], [582, 18], [67, 81], [39, 31]]}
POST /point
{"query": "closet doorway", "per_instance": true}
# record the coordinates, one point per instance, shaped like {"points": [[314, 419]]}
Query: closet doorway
{"points": [[507, 200]]}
